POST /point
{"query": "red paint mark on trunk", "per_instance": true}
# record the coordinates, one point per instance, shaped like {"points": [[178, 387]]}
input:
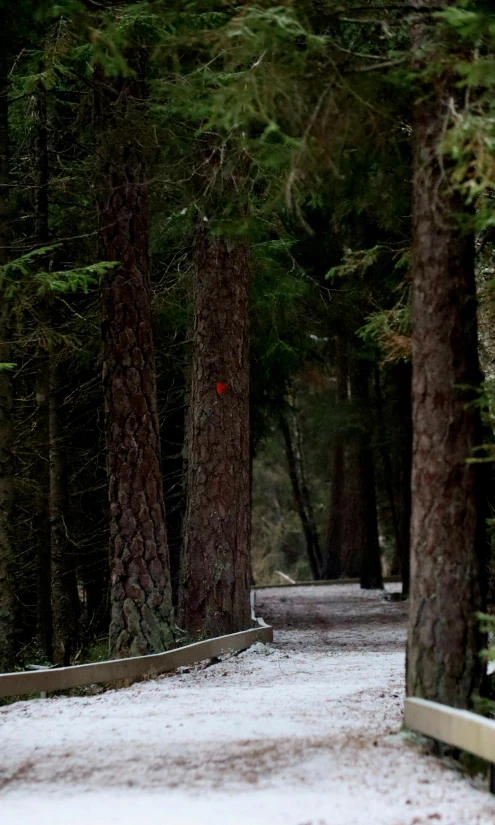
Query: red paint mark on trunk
{"points": [[221, 388]]}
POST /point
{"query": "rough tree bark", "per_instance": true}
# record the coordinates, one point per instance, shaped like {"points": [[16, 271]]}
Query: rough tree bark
{"points": [[7, 621], [447, 546], [214, 597], [141, 602]]}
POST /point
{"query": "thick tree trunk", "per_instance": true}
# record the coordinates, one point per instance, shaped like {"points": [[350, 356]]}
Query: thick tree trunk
{"points": [[214, 596], [7, 621], [365, 524], [447, 548], [65, 601], [301, 499], [141, 601]]}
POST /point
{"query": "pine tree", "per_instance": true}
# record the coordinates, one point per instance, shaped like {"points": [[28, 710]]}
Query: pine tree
{"points": [[443, 662], [215, 580], [142, 616]]}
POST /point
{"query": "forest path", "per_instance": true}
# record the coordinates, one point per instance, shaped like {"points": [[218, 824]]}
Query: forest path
{"points": [[302, 732]]}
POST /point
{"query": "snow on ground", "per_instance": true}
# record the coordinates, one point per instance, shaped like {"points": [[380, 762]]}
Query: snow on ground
{"points": [[302, 732]]}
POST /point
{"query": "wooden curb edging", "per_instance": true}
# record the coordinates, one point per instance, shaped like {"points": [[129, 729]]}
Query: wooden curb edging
{"points": [[459, 728], [137, 667], [322, 583]]}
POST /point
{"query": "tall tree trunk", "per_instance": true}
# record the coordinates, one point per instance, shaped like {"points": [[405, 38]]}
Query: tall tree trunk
{"points": [[365, 528], [447, 547], [7, 620], [141, 600], [214, 597], [338, 501], [65, 601], [301, 499], [42, 526], [353, 548]]}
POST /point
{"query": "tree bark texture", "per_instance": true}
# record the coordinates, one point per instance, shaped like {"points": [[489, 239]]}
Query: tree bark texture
{"points": [[447, 547], [64, 596], [141, 602], [7, 620], [214, 596]]}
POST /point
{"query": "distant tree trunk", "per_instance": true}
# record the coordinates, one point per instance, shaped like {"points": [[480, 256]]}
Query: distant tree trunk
{"points": [[141, 601], [394, 495], [65, 601], [402, 375], [352, 545], [42, 526], [214, 597], [365, 523], [301, 499], [41, 238], [7, 619], [306, 495], [338, 504], [447, 531], [172, 444]]}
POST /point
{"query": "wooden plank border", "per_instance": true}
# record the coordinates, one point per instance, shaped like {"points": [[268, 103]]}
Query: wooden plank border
{"points": [[137, 667], [459, 728], [323, 583]]}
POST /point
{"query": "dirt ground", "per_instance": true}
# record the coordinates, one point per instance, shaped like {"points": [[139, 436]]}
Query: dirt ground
{"points": [[306, 731]]}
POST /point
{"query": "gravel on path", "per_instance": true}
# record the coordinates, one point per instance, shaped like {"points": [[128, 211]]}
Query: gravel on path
{"points": [[306, 731]]}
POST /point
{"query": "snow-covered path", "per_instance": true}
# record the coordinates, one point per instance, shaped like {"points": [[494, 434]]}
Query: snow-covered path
{"points": [[302, 732]]}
